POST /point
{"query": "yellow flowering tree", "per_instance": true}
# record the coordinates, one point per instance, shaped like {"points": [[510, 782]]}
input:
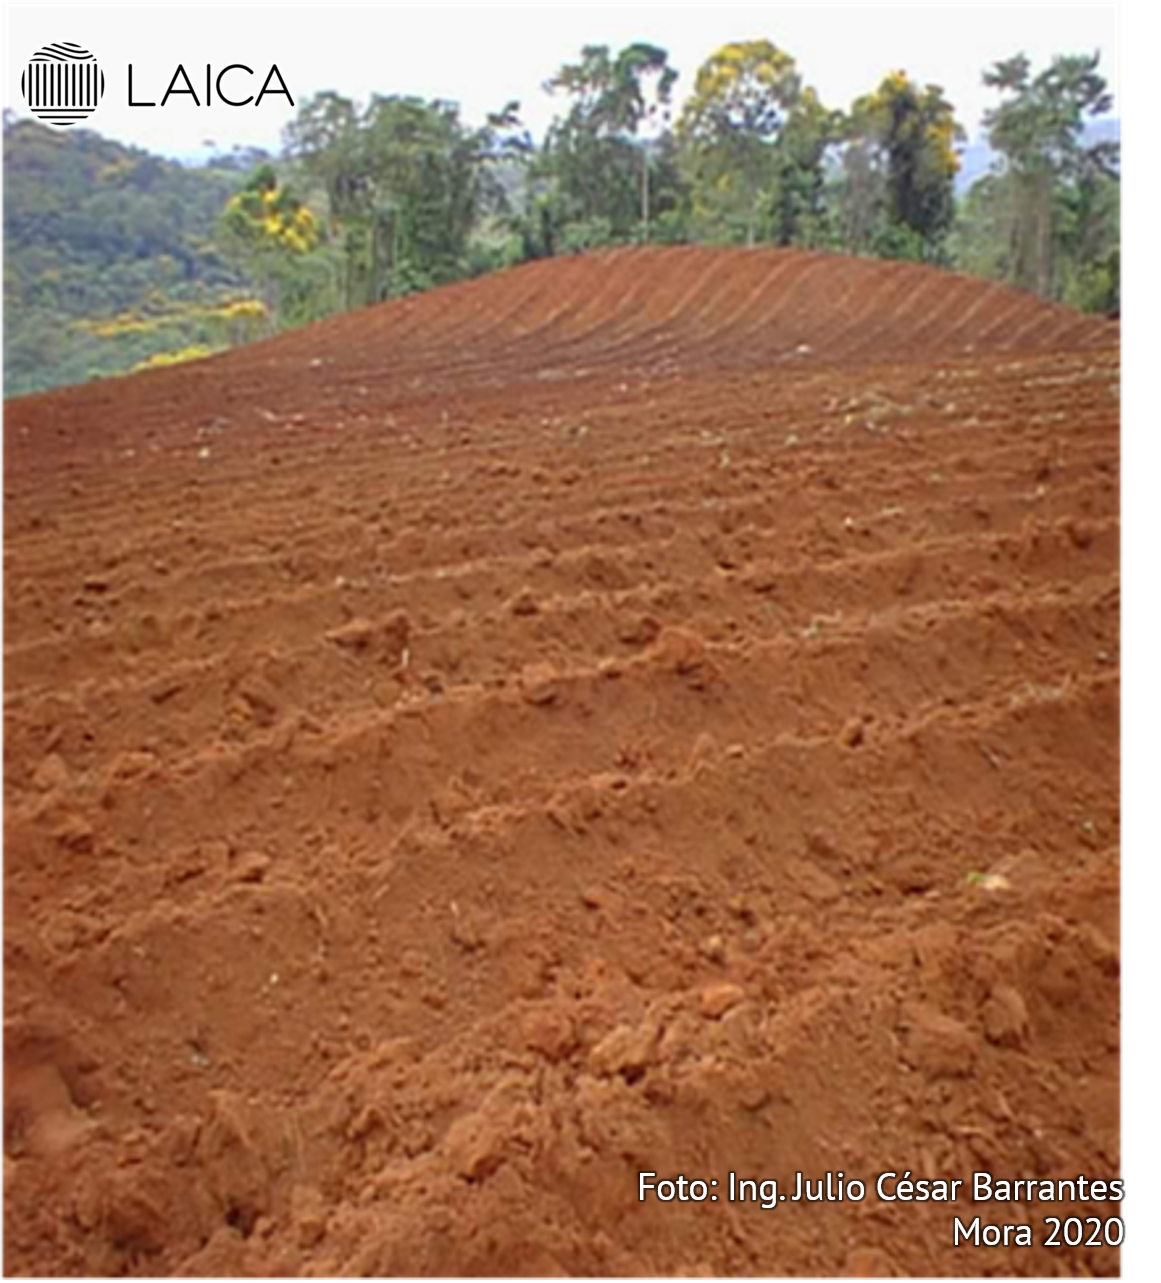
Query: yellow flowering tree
{"points": [[270, 216], [274, 232], [901, 165], [729, 128]]}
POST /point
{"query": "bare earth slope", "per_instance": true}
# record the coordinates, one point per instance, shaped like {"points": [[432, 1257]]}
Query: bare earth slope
{"points": [[656, 711]]}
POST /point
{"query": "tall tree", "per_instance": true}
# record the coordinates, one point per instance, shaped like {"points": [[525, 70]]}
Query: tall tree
{"points": [[901, 165], [406, 182], [326, 139], [646, 83], [742, 97], [274, 232], [1039, 131], [593, 152], [799, 213]]}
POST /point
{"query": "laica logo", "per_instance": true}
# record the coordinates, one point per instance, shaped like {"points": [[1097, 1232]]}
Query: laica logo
{"points": [[62, 84], [181, 86]]}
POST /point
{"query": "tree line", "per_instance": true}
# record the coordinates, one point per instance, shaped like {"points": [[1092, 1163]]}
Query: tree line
{"points": [[401, 194], [116, 259]]}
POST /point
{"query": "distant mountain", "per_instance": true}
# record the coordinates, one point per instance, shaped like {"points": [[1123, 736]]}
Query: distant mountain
{"points": [[110, 256], [978, 158]]}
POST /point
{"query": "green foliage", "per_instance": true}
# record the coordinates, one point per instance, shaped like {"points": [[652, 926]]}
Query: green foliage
{"points": [[979, 243], [595, 179], [96, 230], [1040, 123], [406, 183], [587, 234], [1088, 235], [729, 132], [901, 165], [1054, 188], [270, 219], [741, 96], [1116, 276], [798, 189], [606, 184], [611, 96], [494, 246], [1084, 244], [282, 245]]}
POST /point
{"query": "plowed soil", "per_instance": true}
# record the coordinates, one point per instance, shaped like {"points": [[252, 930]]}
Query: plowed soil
{"points": [[648, 712]]}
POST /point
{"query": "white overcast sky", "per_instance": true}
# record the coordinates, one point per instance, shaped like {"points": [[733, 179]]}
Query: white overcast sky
{"points": [[481, 55]]}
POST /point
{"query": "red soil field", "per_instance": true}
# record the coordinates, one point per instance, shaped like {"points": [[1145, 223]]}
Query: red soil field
{"points": [[647, 712]]}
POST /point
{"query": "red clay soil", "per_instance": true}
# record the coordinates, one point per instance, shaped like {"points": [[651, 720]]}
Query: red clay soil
{"points": [[646, 712]]}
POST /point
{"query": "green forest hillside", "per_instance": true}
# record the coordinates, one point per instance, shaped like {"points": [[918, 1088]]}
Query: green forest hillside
{"points": [[111, 257]]}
